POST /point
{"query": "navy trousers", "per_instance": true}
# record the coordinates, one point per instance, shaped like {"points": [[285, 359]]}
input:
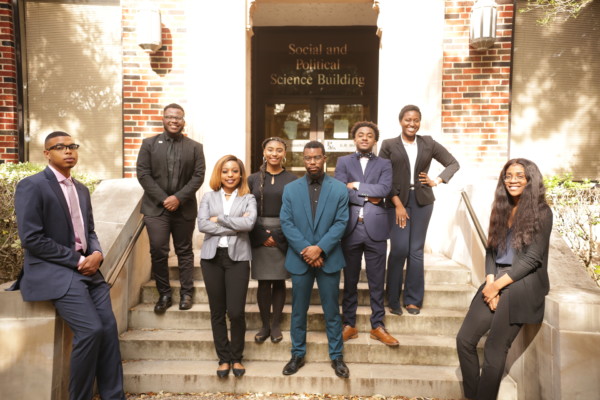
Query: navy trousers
{"points": [[355, 245], [406, 246], [329, 289], [87, 309]]}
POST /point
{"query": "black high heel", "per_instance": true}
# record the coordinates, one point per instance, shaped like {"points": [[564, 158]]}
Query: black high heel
{"points": [[223, 373], [261, 336], [237, 372]]}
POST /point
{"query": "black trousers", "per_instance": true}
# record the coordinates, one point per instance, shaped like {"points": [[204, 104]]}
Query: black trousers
{"points": [[480, 319], [226, 285], [354, 246], [160, 230], [87, 309]]}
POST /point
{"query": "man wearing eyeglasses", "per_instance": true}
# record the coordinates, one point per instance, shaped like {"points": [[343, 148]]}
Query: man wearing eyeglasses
{"points": [[170, 168], [313, 217], [62, 261]]}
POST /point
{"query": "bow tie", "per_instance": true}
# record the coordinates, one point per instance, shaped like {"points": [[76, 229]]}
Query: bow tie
{"points": [[368, 155]]}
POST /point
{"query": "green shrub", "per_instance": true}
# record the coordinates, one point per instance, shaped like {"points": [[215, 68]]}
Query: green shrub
{"points": [[11, 253], [576, 207]]}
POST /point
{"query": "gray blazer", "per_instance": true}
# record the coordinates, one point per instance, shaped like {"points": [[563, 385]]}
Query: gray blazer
{"points": [[235, 226]]}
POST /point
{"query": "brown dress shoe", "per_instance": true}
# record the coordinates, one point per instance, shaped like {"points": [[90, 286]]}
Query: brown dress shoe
{"points": [[381, 334], [349, 332]]}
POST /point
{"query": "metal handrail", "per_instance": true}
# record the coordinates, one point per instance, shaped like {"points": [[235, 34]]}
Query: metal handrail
{"points": [[478, 228], [114, 272]]}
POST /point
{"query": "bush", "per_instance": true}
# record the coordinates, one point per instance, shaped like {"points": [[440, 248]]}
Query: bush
{"points": [[11, 253], [576, 207]]}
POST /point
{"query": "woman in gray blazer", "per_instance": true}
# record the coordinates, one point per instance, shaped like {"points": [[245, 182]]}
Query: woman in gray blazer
{"points": [[226, 215], [516, 283]]}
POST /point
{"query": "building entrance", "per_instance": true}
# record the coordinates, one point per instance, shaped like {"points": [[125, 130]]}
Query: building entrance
{"points": [[312, 84]]}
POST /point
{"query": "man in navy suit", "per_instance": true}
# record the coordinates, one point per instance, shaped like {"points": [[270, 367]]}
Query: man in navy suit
{"points": [[62, 261], [313, 217], [368, 179]]}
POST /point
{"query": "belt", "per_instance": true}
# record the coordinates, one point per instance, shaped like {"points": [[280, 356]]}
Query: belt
{"points": [[411, 187], [361, 220]]}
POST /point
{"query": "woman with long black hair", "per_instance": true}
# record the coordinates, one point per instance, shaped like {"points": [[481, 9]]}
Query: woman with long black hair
{"points": [[516, 277], [268, 242]]}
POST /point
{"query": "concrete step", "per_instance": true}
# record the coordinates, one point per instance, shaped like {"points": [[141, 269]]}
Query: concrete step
{"points": [[431, 321], [438, 270], [186, 376], [198, 345], [457, 296]]}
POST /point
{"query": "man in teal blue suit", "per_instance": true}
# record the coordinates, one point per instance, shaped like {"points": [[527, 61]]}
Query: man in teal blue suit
{"points": [[313, 216]]}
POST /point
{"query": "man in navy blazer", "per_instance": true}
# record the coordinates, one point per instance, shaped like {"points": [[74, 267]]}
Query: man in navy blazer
{"points": [[368, 179], [313, 217], [62, 261]]}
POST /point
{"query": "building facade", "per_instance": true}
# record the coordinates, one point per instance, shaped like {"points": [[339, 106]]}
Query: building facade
{"points": [[302, 69]]}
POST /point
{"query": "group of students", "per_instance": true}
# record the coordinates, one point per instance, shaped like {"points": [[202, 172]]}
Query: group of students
{"points": [[272, 226]]}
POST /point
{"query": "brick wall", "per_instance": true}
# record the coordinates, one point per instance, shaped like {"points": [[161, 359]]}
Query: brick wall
{"points": [[151, 81], [476, 88], [8, 86]]}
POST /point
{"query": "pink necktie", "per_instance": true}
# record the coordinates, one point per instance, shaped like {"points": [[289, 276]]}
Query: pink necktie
{"points": [[75, 214]]}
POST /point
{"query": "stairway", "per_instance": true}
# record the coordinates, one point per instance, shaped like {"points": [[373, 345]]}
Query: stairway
{"points": [[174, 352]]}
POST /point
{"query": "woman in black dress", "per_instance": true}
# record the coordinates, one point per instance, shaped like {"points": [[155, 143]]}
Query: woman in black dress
{"points": [[268, 243], [516, 267]]}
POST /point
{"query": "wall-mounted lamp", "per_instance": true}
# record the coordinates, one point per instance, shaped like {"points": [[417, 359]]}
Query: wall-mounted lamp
{"points": [[483, 24], [149, 29]]}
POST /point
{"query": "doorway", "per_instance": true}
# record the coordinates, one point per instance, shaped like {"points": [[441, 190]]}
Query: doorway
{"points": [[312, 84]]}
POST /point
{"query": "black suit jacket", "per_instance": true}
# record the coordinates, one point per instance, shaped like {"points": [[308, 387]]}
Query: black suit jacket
{"points": [[153, 176], [428, 149], [47, 235], [530, 275]]}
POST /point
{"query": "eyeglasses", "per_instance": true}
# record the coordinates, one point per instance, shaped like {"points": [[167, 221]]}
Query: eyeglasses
{"points": [[314, 158], [173, 118], [62, 147], [508, 178]]}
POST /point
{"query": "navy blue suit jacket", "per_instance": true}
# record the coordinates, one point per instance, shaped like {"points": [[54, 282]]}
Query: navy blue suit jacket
{"points": [[325, 231], [375, 182], [47, 236]]}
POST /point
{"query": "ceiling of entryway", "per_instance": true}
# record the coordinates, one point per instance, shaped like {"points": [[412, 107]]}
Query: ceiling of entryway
{"points": [[314, 13]]}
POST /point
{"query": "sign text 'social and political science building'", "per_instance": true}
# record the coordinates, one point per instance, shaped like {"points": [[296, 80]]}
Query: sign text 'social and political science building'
{"points": [[327, 62]]}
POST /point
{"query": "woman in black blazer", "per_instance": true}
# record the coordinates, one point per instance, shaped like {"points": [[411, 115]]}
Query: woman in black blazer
{"points": [[412, 198], [516, 277]]}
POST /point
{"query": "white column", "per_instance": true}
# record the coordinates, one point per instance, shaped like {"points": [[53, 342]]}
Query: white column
{"points": [[217, 78], [410, 63]]}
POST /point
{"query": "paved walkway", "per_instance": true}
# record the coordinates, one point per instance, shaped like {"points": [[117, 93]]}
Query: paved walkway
{"points": [[258, 396]]}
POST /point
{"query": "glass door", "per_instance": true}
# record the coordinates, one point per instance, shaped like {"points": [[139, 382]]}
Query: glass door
{"points": [[328, 121]]}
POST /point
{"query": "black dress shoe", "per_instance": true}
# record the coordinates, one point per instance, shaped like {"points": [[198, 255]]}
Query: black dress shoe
{"points": [[262, 335], [222, 373], [414, 310], [340, 368], [396, 311], [293, 365], [185, 303], [162, 304]]}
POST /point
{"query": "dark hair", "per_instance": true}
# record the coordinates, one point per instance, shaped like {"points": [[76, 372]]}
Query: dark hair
{"points": [[273, 139], [313, 144], [408, 108], [54, 134], [173, 105], [263, 167], [531, 207], [361, 124], [215, 178]]}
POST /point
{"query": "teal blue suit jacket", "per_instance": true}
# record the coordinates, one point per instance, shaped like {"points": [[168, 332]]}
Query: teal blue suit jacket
{"points": [[325, 231]]}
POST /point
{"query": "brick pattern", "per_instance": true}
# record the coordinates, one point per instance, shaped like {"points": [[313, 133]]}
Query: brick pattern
{"points": [[8, 86], [151, 81], [476, 88]]}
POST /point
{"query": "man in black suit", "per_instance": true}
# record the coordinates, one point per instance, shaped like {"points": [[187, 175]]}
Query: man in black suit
{"points": [[170, 168], [62, 261]]}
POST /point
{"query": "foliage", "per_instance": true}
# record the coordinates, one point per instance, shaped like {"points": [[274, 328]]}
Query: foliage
{"points": [[576, 207], [556, 9], [11, 254]]}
